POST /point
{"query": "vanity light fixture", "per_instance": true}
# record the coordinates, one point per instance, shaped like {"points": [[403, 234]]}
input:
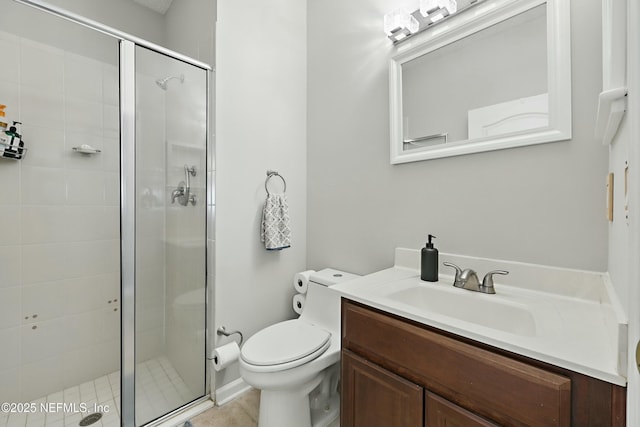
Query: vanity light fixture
{"points": [[435, 10], [400, 24]]}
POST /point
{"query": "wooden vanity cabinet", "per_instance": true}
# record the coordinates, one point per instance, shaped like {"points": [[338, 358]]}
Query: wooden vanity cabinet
{"points": [[380, 398], [396, 372]]}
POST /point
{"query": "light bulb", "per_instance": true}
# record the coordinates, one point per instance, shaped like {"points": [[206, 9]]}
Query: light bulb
{"points": [[400, 24], [435, 10]]}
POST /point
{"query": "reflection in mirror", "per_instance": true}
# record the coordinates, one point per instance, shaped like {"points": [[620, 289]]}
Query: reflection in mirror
{"points": [[493, 84], [488, 82]]}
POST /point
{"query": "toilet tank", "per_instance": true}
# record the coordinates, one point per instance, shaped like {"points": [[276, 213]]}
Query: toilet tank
{"points": [[322, 305]]}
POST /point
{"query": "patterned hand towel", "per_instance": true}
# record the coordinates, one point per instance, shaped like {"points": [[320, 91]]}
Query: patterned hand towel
{"points": [[274, 230]]}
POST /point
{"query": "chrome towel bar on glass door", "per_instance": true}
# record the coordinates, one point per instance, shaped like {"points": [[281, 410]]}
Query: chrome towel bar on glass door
{"points": [[271, 174]]}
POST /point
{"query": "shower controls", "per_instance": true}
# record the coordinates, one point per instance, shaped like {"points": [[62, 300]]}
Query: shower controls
{"points": [[183, 192]]}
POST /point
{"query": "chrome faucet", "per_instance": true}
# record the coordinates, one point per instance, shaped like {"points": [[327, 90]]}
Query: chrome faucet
{"points": [[468, 279]]}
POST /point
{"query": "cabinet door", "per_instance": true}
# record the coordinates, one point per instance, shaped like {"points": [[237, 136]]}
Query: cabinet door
{"points": [[439, 412], [372, 396]]}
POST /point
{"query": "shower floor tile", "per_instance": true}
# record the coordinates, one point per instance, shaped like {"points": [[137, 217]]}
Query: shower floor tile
{"points": [[159, 389]]}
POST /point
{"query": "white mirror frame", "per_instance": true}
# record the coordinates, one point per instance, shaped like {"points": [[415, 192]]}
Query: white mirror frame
{"points": [[471, 21]]}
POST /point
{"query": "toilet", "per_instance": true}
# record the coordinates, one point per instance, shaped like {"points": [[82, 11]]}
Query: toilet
{"points": [[295, 363]]}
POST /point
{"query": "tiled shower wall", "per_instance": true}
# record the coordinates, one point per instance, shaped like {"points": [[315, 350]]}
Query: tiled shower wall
{"points": [[59, 244]]}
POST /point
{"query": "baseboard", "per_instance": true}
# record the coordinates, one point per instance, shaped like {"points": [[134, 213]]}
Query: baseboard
{"points": [[230, 391]]}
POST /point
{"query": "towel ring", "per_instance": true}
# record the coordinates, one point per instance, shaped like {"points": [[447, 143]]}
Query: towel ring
{"points": [[271, 174]]}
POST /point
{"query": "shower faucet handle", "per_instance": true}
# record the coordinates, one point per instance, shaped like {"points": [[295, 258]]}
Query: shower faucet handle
{"points": [[177, 193]]}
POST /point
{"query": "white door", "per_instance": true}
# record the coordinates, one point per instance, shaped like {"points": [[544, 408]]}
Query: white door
{"points": [[511, 116], [633, 115]]}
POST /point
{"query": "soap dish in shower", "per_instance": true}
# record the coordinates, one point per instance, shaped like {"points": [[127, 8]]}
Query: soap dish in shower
{"points": [[86, 149]]}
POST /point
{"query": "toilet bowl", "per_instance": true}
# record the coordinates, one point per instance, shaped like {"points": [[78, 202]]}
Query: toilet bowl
{"points": [[295, 363]]}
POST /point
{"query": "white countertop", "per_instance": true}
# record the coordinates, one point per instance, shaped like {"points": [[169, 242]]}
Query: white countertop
{"points": [[577, 322]]}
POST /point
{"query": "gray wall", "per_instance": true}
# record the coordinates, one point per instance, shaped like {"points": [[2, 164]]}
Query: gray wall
{"points": [[124, 15], [187, 27], [261, 124], [190, 28], [540, 204]]}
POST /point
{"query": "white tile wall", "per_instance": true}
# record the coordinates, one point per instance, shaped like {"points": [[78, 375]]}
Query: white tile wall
{"points": [[83, 78], [36, 58], [46, 300], [41, 107], [10, 266], [9, 309], [10, 338], [46, 146], [10, 178], [59, 251], [9, 44], [11, 93], [10, 380], [84, 116], [11, 218]]}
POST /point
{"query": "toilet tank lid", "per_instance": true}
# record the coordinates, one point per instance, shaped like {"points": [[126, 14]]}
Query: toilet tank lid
{"points": [[330, 276]]}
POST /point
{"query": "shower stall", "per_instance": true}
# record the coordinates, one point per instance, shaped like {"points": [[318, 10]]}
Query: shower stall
{"points": [[103, 264]]}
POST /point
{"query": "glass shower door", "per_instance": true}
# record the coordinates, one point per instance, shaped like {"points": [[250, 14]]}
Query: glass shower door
{"points": [[171, 112]]}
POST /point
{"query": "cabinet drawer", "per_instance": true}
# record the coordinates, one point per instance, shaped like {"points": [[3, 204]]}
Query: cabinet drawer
{"points": [[507, 391]]}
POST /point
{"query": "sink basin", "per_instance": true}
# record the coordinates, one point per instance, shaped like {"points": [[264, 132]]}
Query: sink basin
{"points": [[567, 318], [472, 307]]}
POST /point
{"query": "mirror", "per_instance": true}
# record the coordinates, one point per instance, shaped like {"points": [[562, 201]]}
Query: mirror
{"points": [[496, 76]]}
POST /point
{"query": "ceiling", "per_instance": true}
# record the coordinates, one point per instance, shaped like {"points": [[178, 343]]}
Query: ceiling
{"points": [[160, 6]]}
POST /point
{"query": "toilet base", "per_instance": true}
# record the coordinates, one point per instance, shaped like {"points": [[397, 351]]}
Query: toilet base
{"points": [[284, 409], [279, 408], [323, 417]]}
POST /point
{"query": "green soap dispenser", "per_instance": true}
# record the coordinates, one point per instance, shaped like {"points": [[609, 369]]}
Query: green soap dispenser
{"points": [[429, 262]]}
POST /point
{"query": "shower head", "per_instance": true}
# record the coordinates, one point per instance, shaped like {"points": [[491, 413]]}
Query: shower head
{"points": [[162, 83]]}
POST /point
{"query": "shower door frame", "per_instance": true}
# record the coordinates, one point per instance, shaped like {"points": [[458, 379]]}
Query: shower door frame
{"points": [[127, 68]]}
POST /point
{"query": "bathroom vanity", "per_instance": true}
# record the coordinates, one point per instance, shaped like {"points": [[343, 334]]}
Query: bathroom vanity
{"points": [[470, 359], [397, 372]]}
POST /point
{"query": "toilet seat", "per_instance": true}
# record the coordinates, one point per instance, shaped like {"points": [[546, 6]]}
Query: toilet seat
{"points": [[285, 345]]}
